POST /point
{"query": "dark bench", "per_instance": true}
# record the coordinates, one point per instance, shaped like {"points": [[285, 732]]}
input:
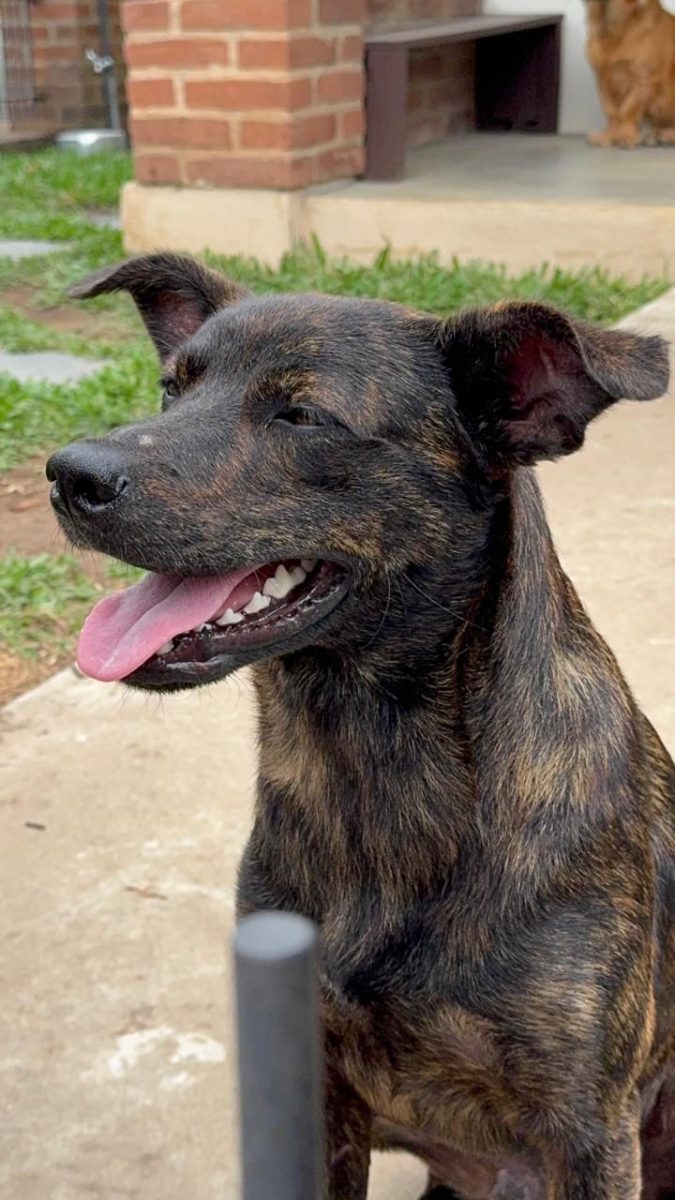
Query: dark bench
{"points": [[517, 79]]}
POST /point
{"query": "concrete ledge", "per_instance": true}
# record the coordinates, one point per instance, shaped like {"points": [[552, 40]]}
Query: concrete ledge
{"points": [[225, 220], [625, 238]]}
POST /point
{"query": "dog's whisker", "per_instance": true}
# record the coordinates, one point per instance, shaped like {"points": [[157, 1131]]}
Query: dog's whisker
{"points": [[375, 636], [457, 615]]}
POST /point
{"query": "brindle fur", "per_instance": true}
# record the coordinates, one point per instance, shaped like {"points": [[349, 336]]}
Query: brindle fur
{"points": [[455, 781]]}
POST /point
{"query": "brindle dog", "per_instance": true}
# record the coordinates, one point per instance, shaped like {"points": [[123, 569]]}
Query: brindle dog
{"points": [[455, 783]]}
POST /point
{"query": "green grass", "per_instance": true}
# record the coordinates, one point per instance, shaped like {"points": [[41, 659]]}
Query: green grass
{"points": [[36, 416], [43, 600], [49, 194], [424, 283]]}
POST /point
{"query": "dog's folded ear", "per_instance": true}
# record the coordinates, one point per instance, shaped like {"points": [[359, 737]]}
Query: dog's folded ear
{"points": [[173, 293], [528, 379]]}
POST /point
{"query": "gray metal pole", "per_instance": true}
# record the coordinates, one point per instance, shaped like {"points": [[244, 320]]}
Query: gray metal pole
{"points": [[279, 1058], [109, 74]]}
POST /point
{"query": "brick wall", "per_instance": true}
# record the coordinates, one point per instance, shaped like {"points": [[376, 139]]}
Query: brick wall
{"points": [[69, 95], [245, 93], [440, 89], [382, 13], [440, 93]]}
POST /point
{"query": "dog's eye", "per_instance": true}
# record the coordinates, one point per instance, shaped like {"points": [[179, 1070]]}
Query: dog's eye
{"points": [[303, 414], [170, 391]]}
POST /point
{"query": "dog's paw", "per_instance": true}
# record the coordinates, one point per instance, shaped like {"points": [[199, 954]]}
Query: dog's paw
{"points": [[624, 140], [604, 138]]}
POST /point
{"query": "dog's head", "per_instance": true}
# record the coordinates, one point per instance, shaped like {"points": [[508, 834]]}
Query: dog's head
{"points": [[613, 14], [314, 458]]}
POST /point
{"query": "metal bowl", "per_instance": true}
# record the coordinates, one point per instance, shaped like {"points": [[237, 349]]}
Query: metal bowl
{"points": [[91, 141]]}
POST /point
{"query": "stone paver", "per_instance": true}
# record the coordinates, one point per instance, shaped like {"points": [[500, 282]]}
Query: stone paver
{"points": [[27, 248], [105, 220], [47, 366], [122, 822]]}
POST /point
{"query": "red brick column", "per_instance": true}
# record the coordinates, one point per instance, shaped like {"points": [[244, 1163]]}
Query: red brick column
{"points": [[245, 93]]}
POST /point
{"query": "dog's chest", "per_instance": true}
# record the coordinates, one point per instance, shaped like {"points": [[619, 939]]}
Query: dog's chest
{"points": [[435, 1080], [436, 1065]]}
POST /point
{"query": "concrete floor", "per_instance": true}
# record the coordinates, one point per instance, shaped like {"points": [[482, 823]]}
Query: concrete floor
{"points": [[122, 821], [528, 166], [519, 199]]}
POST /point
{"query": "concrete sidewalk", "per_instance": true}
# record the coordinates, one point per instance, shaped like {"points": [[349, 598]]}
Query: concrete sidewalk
{"points": [[122, 822]]}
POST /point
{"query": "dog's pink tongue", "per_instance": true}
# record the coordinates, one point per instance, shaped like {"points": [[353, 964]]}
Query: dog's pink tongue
{"points": [[126, 629]]}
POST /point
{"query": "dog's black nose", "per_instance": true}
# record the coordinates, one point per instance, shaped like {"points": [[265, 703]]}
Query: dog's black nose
{"points": [[86, 477]]}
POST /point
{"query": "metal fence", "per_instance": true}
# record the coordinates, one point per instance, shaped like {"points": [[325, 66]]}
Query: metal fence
{"points": [[17, 83]]}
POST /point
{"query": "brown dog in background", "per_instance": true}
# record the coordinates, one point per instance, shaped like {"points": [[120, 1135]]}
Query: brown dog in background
{"points": [[631, 47]]}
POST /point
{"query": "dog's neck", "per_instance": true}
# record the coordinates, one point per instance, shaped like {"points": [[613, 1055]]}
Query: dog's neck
{"points": [[377, 773]]}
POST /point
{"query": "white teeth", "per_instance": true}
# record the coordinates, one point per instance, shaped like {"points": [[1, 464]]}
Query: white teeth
{"points": [[283, 582], [230, 617], [275, 588], [257, 603], [279, 585]]}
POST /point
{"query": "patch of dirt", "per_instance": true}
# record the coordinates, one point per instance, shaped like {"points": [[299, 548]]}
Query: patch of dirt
{"points": [[17, 675], [28, 525], [27, 522], [65, 318]]}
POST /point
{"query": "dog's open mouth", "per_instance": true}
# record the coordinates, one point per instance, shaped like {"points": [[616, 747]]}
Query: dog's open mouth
{"points": [[164, 625]]}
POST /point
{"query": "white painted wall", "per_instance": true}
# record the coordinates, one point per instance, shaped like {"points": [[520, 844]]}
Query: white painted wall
{"points": [[580, 109]]}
